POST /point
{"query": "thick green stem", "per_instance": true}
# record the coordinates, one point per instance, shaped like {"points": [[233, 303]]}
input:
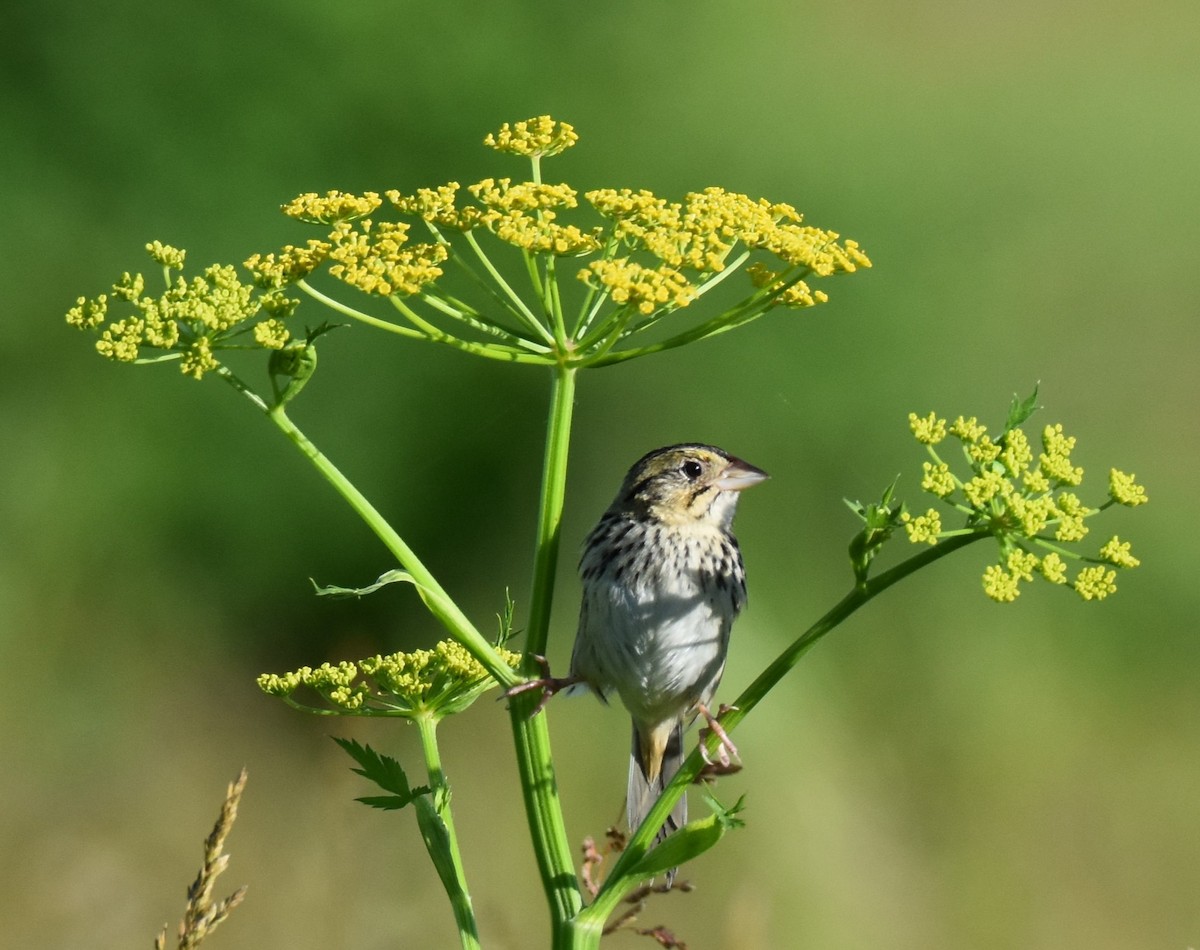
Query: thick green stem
{"points": [[454, 878], [531, 734], [554, 486]]}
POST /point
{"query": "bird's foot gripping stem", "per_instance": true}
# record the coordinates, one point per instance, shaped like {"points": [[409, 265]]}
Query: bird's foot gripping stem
{"points": [[547, 684], [728, 760]]}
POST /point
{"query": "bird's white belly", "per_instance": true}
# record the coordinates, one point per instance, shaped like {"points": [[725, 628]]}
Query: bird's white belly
{"points": [[661, 648]]}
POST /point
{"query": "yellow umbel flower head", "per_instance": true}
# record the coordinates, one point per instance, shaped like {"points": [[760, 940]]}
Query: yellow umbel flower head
{"points": [[1026, 507], [534, 138], [191, 321], [437, 683]]}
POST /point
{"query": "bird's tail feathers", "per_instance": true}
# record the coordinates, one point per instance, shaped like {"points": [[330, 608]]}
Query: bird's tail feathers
{"points": [[643, 790]]}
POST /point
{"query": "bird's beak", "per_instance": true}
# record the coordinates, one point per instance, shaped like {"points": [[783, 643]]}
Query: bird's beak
{"points": [[739, 475]]}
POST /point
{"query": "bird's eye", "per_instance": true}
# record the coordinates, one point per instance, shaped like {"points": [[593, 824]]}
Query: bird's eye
{"points": [[691, 469]]}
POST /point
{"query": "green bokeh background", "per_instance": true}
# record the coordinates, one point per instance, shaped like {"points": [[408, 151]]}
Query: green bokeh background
{"points": [[942, 772]]}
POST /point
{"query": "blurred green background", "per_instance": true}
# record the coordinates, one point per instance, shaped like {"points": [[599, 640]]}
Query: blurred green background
{"points": [[942, 772]]}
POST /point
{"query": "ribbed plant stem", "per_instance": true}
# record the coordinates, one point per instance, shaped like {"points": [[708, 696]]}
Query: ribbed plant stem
{"points": [[531, 734], [454, 879]]}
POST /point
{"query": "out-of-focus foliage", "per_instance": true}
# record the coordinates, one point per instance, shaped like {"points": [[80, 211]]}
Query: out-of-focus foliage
{"points": [[944, 772]]}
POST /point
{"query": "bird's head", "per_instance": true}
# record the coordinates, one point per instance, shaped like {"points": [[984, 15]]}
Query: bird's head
{"points": [[686, 484]]}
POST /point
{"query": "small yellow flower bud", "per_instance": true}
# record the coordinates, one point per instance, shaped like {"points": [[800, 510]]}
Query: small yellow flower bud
{"points": [[198, 359], [1021, 564], [1124, 490], [929, 429], [272, 334], [1117, 552], [88, 314], [1000, 585], [937, 479], [537, 137], [1055, 461], [968, 430], [983, 488], [1053, 568], [647, 289], [166, 255], [1096, 583], [923, 528], [1071, 512]]}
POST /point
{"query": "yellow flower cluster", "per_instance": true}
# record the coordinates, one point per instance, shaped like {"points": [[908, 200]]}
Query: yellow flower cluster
{"points": [[923, 528], [650, 256], [435, 682], [1096, 583], [533, 138], [331, 207], [929, 430], [375, 257], [170, 257], [699, 233], [271, 334], [190, 320], [796, 294], [937, 479], [1019, 501], [646, 289], [289, 265], [522, 214], [1124, 490], [437, 206]]}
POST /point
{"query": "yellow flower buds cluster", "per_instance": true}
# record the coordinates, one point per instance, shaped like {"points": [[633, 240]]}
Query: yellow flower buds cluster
{"points": [[434, 682], [1025, 502], [189, 321]]}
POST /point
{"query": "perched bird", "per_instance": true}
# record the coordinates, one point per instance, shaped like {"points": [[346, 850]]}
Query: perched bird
{"points": [[663, 580]]}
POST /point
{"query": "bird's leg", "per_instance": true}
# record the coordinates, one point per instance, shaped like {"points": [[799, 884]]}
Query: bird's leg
{"points": [[726, 751], [549, 685]]}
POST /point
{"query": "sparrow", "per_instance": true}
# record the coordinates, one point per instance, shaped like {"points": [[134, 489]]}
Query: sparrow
{"points": [[663, 581]]}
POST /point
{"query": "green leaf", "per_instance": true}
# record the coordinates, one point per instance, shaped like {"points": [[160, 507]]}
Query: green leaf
{"points": [[690, 841], [880, 520], [396, 576], [385, 772], [1021, 409], [505, 619]]}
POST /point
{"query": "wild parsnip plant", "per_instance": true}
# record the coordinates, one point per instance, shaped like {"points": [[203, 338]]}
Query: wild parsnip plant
{"points": [[620, 275]]}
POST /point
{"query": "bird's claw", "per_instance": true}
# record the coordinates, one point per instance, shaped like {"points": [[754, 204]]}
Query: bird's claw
{"points": [[727, 752], [549, 685]]}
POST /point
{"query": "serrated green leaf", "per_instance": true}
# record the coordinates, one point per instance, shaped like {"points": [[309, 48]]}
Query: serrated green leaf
{"points": [[1022, 409], [385, 802], [388, 577], [385, 772]]}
